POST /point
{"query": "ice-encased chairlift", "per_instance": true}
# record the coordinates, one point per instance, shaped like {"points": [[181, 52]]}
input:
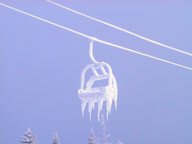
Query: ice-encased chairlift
{"points": [[91, 95]]}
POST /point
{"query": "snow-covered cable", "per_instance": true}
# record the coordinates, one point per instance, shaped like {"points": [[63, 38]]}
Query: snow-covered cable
{"points": [[41, 19], [97, 40], [121, 29]]}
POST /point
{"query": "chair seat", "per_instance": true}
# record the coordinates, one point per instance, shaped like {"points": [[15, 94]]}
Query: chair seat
{"points": [[96, 93]]}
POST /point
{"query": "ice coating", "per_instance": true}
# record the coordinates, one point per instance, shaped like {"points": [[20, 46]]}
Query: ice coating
{"points": [[90, 95]]}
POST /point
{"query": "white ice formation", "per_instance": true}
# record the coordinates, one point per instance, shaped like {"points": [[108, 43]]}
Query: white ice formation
{"points": [[91, 95]]}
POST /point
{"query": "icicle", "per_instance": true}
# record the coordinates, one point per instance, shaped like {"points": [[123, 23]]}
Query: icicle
{"points": [[91, 106], [108, 105], [83, 105], [100, 105]]}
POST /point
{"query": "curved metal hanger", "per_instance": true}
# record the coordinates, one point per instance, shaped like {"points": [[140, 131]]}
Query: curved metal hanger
{"points": [[91, 51]]}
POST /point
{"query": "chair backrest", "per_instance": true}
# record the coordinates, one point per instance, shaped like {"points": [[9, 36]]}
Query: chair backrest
{"points": [[106, 73]]}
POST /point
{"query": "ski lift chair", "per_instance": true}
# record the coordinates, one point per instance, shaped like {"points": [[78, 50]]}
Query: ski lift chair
{"points": [[91, 95]]}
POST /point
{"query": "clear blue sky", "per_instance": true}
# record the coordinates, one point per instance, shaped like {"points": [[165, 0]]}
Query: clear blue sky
{"points": [[41, 66]]}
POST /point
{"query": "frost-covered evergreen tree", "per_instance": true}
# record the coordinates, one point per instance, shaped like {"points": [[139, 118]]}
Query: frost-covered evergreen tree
{"points": [[105, 134], [55, 139], [29, 138], [92, 138]]}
